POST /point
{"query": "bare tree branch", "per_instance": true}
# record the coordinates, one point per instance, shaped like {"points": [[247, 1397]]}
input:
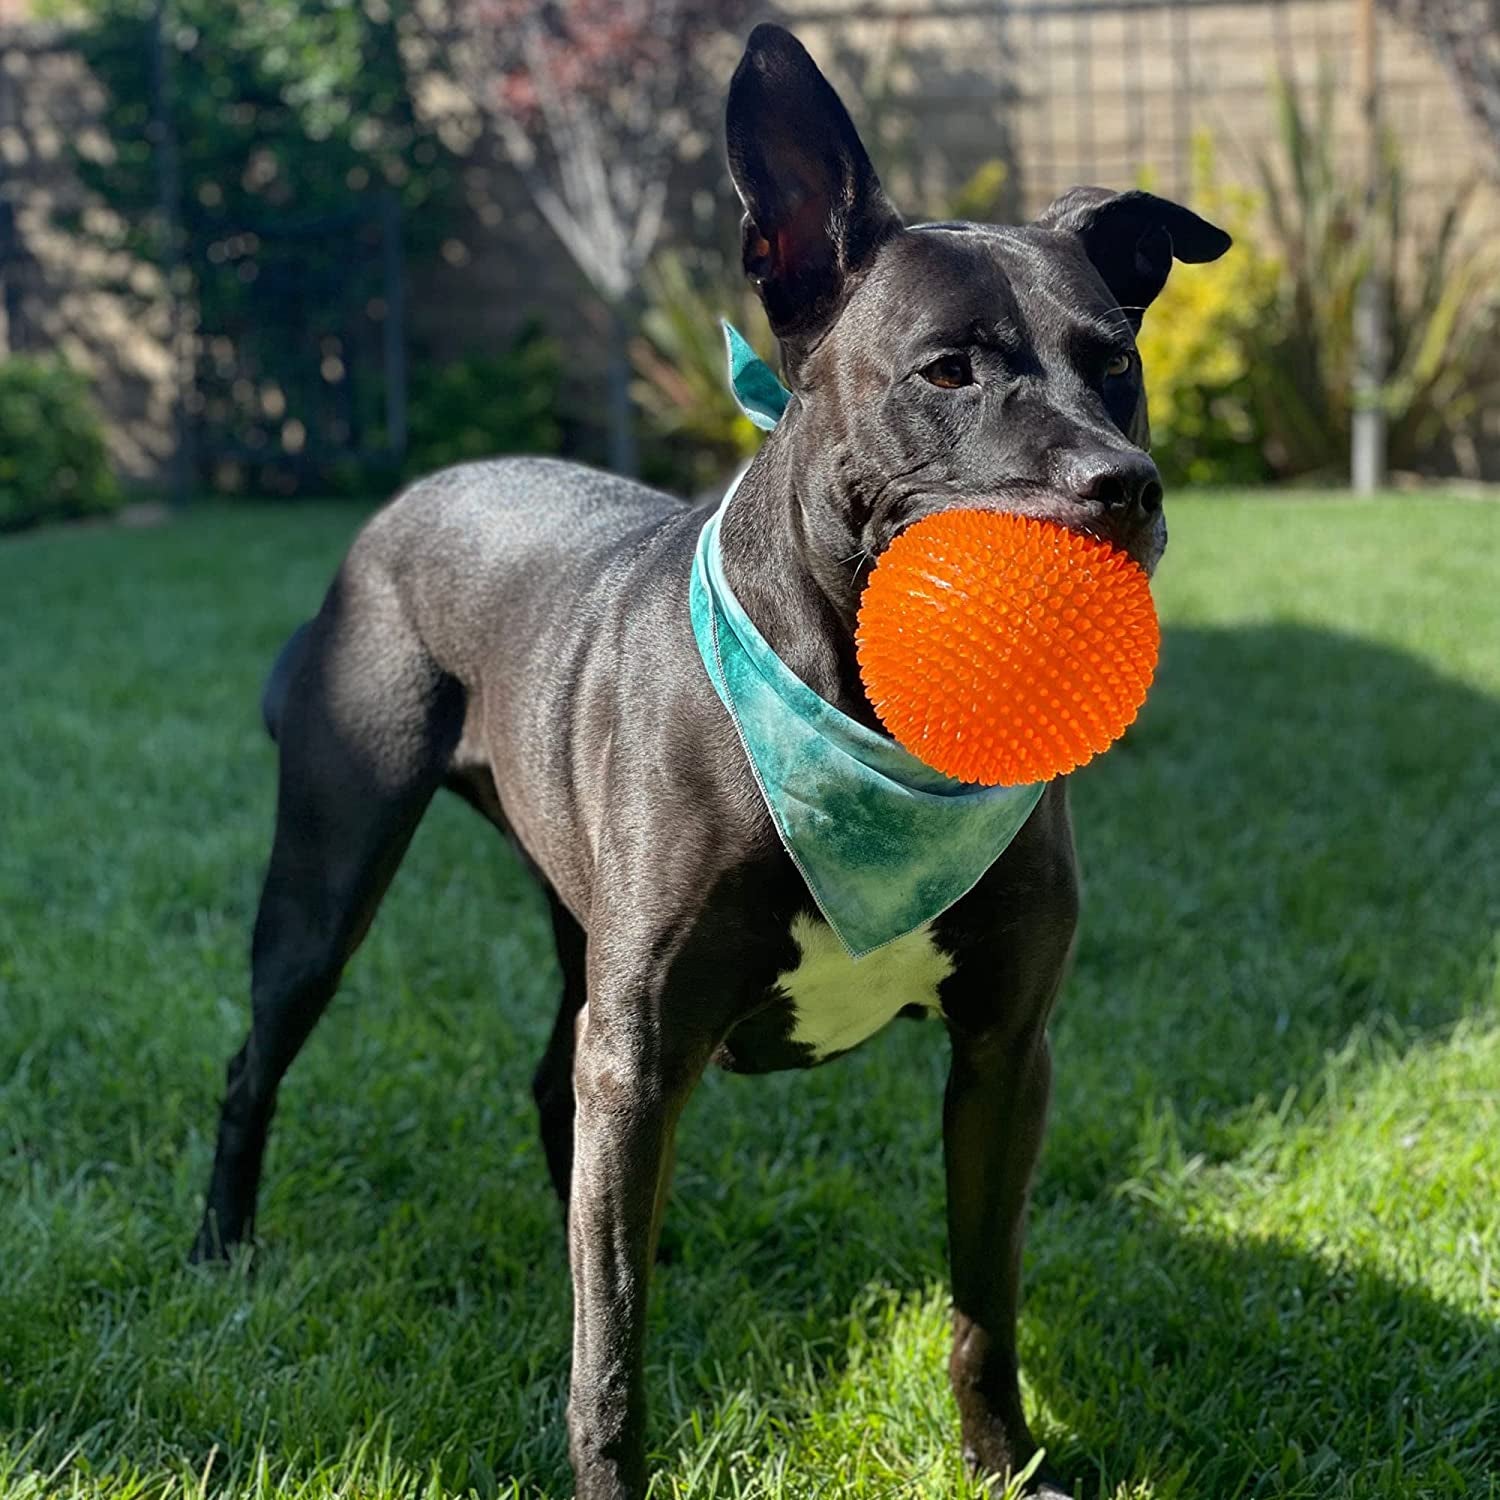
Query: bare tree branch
{"points": [[586, 99], [1465, 36]]}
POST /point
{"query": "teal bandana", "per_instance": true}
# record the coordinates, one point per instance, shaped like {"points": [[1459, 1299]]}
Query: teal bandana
{"points": [[759, 394], [884, 842]]}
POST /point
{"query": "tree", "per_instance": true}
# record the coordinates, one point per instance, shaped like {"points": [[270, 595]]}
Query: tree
{"points": [[1465, 36], [591, 102], [229, 119]]}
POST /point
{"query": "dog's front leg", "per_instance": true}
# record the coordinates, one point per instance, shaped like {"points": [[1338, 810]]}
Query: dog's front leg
{"points": [[993, 1116], [632, 1075]]}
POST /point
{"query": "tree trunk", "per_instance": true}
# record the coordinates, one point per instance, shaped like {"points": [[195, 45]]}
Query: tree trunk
{"points": [[624, 455], [1465, 36]]}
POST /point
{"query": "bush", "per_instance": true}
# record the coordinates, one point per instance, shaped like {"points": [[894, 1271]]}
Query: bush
{"points": [[53, 462], [294, 122], [486, 404], [1441, 302], [1198, 347], [982, 199], [1250, 360], [682, 384]]}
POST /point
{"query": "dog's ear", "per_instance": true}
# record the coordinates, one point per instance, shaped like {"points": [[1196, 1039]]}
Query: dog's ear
{"points": [[815, 212], [1132, 239]]}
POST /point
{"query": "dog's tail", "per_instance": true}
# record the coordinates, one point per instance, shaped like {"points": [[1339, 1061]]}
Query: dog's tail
{"points": [[273, 698]]}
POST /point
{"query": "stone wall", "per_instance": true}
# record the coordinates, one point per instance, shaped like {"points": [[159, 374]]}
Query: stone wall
{"points": [[60, 292]]}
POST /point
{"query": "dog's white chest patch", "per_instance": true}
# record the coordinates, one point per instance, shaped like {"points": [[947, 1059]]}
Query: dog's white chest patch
{"points": [[839, 1001]]}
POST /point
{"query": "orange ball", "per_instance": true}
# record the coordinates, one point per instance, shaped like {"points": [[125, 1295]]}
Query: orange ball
{"points": [[1004, 650]]}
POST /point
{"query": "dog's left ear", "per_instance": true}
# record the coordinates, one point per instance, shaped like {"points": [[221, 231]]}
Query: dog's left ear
{"points": [[1132, 239], [815, 212]]}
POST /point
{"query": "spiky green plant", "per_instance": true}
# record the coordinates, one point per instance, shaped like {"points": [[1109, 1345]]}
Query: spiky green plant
{"points": [[681, 386], [1329, 230]]}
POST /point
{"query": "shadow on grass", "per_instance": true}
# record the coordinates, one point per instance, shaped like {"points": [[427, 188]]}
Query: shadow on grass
{"points": [[1238, 1368], [1292, 843], [1289, 851]]}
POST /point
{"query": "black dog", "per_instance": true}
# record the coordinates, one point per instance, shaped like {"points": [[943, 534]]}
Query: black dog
{"points": [[519, 631]]}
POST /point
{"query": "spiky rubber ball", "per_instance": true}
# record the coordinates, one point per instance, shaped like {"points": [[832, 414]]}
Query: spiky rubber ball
{"points": [[1002, 650]]}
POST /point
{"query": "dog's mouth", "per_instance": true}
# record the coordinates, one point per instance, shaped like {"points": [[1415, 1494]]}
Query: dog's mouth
{"points": [[1141, 537]]}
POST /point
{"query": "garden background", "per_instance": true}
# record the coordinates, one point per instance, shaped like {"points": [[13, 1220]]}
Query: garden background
{"points": [[296, 247]]}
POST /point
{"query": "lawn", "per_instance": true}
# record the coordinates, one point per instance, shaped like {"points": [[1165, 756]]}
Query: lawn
{"points": [[1265, 1247]]}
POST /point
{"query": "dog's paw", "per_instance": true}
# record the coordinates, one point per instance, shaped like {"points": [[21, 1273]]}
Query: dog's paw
{"points": [[211, 1249], [1036, 1481], [207, 1251], [1043, 1485]]}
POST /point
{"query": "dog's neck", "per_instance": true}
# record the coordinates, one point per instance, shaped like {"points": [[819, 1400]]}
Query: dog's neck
{"points": [[766, 550]]}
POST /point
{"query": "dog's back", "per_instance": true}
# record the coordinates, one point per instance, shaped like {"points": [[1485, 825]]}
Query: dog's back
{"points": [[485, 628]]}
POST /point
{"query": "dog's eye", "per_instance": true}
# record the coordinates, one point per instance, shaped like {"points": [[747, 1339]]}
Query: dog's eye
{"points": [[949, 372], [1119, 365]]}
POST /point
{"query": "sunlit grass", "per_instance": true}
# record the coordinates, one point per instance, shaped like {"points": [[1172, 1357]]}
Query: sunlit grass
{"points": [[1265, 1255]]}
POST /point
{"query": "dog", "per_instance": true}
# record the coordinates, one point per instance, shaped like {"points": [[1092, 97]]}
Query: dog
{"points": [[518, 631]]}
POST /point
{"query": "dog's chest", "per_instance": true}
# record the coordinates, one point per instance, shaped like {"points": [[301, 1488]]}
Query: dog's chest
{"points": [[837, 1001]]}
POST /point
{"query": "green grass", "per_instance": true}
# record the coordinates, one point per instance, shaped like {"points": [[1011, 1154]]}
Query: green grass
{"points": [[1265, 1248]]}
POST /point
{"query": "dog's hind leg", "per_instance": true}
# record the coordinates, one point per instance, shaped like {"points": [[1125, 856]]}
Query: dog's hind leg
{"points": [[366, 723], [552, 1084]]}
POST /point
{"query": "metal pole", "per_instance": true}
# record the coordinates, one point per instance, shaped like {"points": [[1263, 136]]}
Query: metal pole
{"points": [[1083, 85], [10, 291], [163, 139], [1367, 455], [1182, 100], [393, 331]]}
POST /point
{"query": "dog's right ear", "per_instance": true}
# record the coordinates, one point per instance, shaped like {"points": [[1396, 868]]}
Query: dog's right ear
{"points": [[815, 212]]}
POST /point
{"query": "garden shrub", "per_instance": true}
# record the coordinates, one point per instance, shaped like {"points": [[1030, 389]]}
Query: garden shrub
{"points": [[1198, 345], [486, 404], [1250, 360], [293, 122], [1442, 303], [682, 383], [983, 198], [53, 461]]}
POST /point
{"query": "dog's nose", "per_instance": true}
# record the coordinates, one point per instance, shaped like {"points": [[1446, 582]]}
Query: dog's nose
{"points": [[1117, 481]]}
